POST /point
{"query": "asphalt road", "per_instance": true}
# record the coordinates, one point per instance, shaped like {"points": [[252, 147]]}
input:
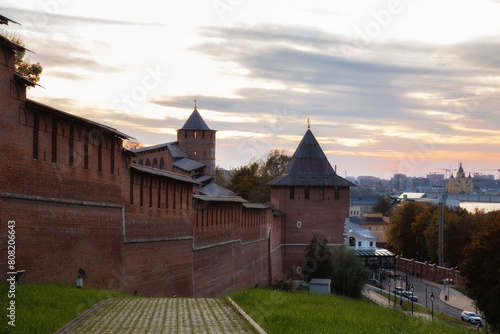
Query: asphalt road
{"points": [[421, 290]]}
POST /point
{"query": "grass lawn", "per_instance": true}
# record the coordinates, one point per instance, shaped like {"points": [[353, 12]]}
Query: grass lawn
{"points": [[44, 308], [285, 312]]}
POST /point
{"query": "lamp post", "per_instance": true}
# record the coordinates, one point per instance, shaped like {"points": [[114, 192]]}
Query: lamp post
{"points": [[425, 295], [412, 289], [395, 286], [432, 302], [389, 291]]}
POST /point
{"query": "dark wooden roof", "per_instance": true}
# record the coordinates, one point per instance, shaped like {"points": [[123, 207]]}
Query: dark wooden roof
{"points": [[309, 166], [195, 122]]}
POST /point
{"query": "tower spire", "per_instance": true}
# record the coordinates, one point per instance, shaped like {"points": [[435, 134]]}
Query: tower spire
{"points": [[194, 103], [308, 124]]}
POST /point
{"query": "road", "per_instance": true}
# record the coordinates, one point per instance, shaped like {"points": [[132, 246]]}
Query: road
{"points": [[421, 290]]}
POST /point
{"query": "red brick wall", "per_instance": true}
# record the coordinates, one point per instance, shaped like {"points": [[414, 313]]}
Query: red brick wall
{"points": [[54, 240], [324, 217], [161, 269]]}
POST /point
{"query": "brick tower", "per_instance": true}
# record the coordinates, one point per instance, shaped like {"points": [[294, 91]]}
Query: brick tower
{"points": [[313, 199], [197, 140]]}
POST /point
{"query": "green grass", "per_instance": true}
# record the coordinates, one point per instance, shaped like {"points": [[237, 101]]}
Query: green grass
{"points": [[44, 308], [285, 312]]}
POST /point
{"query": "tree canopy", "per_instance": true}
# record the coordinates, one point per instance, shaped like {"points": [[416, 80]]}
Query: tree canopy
{"points": [[250, 181], [481, 268], [29, 70]]}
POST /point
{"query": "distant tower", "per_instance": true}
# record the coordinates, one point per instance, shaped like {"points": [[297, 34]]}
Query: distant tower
{"points": [[197, 140]]}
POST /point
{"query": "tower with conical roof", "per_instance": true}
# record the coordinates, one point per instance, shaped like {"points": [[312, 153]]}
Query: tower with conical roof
{"points": [[311, 199], [197, 140]]}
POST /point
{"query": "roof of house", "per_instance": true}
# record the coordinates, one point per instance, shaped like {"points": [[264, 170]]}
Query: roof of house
{"points": [[213, 189], [373, 221], [410, 195], [361, 231], [11, 45], [187, 164], [309, 166], [255, 206], [220, 198], [195, 122], [161, 172], [6, 20], [379, 252], [30, 104]]}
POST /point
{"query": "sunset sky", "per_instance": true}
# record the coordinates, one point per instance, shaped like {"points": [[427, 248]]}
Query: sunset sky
{"points": [[389, 86]]}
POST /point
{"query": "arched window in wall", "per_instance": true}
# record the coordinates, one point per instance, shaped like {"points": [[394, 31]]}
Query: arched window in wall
{"points": [[162, 163], [148, 162], [155, 163], [352, 241]]}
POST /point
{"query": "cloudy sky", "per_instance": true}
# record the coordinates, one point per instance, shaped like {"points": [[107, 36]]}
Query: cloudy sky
{"points": [[389, 86]]}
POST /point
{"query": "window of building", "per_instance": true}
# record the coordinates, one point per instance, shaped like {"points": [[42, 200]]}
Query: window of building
{"points": [[352, 241], [359, 243], [292, 193], [194, 134], [337, 196], [321, 193], [306, 192]]}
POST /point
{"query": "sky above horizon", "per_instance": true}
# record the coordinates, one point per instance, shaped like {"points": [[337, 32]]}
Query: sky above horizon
{"points": [[388, 86]]}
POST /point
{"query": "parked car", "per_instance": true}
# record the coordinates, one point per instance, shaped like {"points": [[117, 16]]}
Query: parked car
{"points": [[373, 281], [471, 317], [410, 295], [399, 291]]}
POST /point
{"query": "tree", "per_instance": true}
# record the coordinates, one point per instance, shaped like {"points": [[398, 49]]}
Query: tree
{"points": [[243, 179], [480, 267], [220, 178], [251, 181], [318, 262], [383, 206], [28, 70], [132, 144], [400, 234], [349, 273]]}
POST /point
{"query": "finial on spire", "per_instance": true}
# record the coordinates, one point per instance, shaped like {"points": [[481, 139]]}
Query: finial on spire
{"points": [[308, 124], [194, 103]]}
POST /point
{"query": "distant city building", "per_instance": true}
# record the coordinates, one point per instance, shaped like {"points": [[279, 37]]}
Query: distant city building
{"points": [[435, 179], [368, 181], [378, 225], [399, 182], [460, 184], [365, 204]]}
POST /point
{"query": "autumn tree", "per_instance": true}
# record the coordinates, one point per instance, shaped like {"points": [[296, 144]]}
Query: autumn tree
{"points": [[481, 269], [29, 70], [401, 235], [383, 206], [250, 181]]}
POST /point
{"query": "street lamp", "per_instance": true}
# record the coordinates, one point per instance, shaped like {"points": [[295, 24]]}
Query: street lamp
{"points": [[389, 291], [395, 286], [432, 301], [425, 295], [412, 289]]}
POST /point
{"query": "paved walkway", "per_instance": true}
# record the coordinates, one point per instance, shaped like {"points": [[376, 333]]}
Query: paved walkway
{"points": [[163, 315]]}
